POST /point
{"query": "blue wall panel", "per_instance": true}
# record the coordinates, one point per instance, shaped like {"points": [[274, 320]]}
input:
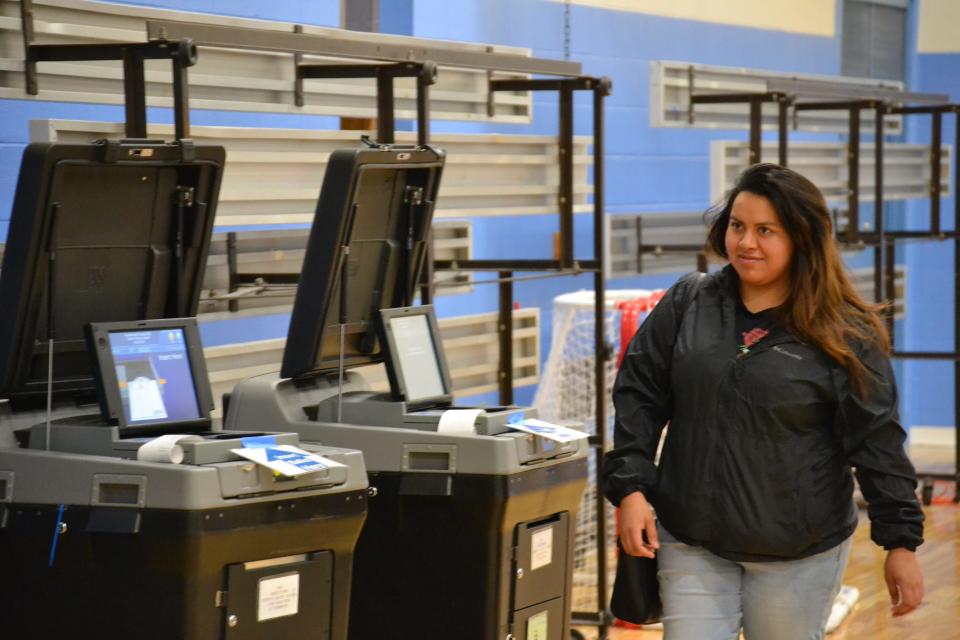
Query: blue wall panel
{"points": [[214, 333], [10, 155]]}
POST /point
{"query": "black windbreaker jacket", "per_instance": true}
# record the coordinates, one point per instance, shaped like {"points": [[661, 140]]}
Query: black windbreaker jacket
{"points": [[757, 462]]}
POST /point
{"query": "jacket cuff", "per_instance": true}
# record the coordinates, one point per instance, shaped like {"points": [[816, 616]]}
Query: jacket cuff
{"points": [[616, 494]]}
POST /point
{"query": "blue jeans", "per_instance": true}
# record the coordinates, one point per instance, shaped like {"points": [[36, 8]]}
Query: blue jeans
{"points": [[706, 597]]}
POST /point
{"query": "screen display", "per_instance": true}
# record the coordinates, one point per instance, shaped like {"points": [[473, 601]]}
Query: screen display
{"points": [[416, 357], [154, 375]]}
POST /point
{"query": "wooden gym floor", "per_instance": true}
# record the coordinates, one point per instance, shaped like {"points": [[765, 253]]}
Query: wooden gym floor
{"points": [[938, 618]]}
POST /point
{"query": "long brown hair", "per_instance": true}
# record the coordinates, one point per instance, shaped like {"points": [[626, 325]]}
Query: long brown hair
{"points": [[822, 307]]}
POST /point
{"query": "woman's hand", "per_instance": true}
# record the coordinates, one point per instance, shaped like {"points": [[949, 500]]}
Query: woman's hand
{"points": [[904, 580], [636, 518]]}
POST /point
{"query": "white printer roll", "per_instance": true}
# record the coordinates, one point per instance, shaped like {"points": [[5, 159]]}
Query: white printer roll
{"points": [[165, 448]]}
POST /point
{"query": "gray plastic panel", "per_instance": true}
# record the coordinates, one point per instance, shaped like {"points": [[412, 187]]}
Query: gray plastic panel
{"points": [[269, 399], [50, 477]]}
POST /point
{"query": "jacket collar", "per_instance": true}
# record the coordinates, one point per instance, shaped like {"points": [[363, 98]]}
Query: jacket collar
{"points": [[728, 283]]}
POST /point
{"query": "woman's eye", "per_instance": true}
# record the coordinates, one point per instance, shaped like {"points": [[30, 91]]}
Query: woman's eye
{"points": [[764, 231], [735, 226]]}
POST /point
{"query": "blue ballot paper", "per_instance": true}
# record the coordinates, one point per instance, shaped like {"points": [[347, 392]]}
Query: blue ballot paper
{"points": [[286, 459], [548, 430]]}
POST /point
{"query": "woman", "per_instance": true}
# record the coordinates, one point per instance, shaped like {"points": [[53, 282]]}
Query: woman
{"points": [[774, 378]]}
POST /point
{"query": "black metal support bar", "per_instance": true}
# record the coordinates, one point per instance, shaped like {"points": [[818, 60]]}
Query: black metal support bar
{"points": [[890, 253], [565, 195], [601, 348], [783, 106], [925, 355], [838, 105], [134, 92], [872, 239], [181, 103], [638, 226], [585, 83], [941, 108], [426, 77], [878, 273], [956, 304], [935, 145], [853, 175], [427, 272], [756, 122], [586, 266], [26, 30], [505, 326], [727, 98], [341, 47], [181, 53], [298, 98], [233, 305], [386, 125], [254, 278], [878, 169]]}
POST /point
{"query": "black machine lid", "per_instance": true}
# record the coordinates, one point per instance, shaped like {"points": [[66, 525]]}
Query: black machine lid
{"points": [[128, 224], [375, 210]]}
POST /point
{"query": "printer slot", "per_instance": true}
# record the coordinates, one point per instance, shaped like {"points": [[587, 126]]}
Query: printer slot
{"points": [[430, 458], [119, 490]]}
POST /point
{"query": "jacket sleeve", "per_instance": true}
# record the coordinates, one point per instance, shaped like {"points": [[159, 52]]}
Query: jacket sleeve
{"points": [[872, 440], [642, 397]]}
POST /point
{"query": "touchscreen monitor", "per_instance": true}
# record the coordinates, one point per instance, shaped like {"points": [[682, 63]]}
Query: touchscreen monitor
{"points": [[415, 360], [151, 372]]}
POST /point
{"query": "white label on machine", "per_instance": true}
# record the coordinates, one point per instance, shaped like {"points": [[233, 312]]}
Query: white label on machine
{"points": [[541, 548], [278, 597], [286, 459], [537, 627], [548, 430]]}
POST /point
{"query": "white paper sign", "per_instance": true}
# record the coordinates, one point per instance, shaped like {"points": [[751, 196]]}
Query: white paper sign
{"points": [[548, 430], [286, 459], [165, 448], [278, 597], [541, 548], [458, 420], [537, 627]]}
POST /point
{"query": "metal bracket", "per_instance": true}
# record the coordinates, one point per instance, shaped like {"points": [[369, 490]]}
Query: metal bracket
{"points": [[298, 79], [384, 73], [601, 88], [181, 53], [26, 30]]}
